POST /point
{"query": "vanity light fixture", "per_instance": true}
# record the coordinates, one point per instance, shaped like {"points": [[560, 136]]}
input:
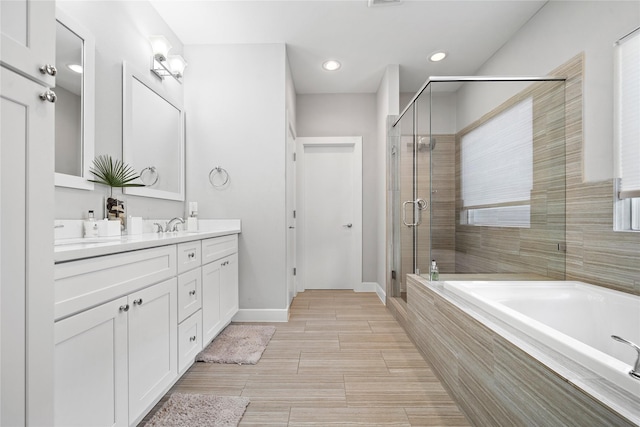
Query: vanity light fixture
{"points": [[331, 65], [163, 64], [437, 56]]}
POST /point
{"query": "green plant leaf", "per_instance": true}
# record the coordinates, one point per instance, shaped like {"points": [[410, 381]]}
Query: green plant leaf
{"points": [[114, 173]]}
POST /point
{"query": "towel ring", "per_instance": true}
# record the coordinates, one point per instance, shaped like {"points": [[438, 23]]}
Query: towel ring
{"points": [[152, 173], [218, 171]]}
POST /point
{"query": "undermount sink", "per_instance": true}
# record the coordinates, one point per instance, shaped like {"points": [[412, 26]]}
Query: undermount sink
{"points": [[80, 241]]}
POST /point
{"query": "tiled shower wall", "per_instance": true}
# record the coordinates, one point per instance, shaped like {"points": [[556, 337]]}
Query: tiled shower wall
{"points": [[580, 215], [538, 249]]}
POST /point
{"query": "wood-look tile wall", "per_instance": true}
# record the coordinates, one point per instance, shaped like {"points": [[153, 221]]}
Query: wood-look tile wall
{"points": [[523, 250], [495, 382], [595, 253]]}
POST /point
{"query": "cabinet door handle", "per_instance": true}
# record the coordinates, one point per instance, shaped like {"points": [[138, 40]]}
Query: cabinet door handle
{"points": [[49, 96], [124, 307], [193, 338], [49, 69], [193, 292], [191, 255], [137, 301]]}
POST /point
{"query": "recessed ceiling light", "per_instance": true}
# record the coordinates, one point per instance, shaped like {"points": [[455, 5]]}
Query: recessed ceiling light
{"points": [[76, 68], [437, 56], [331, 65]]}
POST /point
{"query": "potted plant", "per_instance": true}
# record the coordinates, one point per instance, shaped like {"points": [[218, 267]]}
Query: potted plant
{"points": [[114, 173]]}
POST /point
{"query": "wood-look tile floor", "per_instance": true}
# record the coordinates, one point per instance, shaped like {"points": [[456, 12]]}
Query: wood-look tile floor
{"points": [[341, 360]]}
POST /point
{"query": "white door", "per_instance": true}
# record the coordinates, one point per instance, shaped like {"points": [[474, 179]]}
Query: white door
{"points": [[330, 207], [291, 214]]}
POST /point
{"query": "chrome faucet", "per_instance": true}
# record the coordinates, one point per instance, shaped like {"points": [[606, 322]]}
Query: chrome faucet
{"points": [[172, 225], [635, 371]]}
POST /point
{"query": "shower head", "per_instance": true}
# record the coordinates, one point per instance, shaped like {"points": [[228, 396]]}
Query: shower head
{"points": [[426, 143]]}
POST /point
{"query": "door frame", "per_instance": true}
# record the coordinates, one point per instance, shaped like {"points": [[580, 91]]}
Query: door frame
{"points": [[291, 196], [332, 141]]}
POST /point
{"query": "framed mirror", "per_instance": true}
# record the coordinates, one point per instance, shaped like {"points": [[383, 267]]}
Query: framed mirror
{"points": [[75, 103], [153, 137]]}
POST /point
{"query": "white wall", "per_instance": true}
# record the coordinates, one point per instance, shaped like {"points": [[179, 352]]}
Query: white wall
{"points": [[235, 96], [558, 32], [120, 29], [350, 115], [387, 103]]}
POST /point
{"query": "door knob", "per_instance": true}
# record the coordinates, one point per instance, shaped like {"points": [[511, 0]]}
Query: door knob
{"points": [[348, 225], [291, 227]]}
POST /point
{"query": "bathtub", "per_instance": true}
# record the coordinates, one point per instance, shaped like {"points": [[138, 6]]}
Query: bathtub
{"points": [[573, 318]]}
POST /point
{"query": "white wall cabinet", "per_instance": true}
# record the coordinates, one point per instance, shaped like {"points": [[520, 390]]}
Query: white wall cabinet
{"points": [[129, 323], [26, 235], [28, 37]]}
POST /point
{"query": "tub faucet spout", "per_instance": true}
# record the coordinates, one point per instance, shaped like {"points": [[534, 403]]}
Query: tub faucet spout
{"points": [[172, 225], [635, 372]]}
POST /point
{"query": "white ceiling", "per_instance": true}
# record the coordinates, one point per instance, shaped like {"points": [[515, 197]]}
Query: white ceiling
{"points": [[365, 39]]}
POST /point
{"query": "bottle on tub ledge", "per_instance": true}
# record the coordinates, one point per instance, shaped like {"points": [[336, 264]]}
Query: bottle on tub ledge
{"points": [[434, 274]]}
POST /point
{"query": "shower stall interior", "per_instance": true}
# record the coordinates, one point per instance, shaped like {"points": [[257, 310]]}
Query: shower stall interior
{"points": [[477, 180]]}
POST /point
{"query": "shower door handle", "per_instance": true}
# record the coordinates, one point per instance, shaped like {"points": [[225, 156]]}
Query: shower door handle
{"points": [[404, 213], [418, 205]]}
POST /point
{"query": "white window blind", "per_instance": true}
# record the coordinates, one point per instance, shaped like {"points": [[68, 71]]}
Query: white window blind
{"points": [[628, 114], [497, 161]]}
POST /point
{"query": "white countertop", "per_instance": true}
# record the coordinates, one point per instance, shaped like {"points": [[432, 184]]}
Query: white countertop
{"points": [[79, 248]]}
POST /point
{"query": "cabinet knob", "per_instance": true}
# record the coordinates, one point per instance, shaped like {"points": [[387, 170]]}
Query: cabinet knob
{"points": [[193, 292], [193, 338], [49, 96], [191, 255], [49, 69], [124, 307], [137, 301]]}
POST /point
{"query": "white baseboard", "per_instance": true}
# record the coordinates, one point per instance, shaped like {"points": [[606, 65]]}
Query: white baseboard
{"points": [[261, 315], [371, 287]]}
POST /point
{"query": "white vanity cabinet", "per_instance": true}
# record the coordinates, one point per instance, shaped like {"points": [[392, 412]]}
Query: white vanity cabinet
{"points": [[219, 284], [128, 324], [90, 380], [189, 303], [153, 345], [114, 360]]}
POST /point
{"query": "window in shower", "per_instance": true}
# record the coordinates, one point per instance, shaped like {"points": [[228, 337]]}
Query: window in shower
{"points": [[627, 132], [497, 169]]}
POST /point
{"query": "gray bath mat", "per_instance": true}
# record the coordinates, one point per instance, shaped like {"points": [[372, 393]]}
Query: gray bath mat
{"points": [[188, 410], [241, 344]]}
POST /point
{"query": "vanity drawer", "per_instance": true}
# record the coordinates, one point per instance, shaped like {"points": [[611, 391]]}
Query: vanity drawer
{"points": [[189, 293], [79, 285], [189, 256], [219, 247], [189, 340]]}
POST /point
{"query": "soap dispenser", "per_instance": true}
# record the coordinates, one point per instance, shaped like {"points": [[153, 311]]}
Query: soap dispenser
{"points": [[434, 274], [192, 220], [91, 226]]}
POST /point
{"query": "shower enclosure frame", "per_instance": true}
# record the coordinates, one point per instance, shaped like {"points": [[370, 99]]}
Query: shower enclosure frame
{"points": [[394, 257]]}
